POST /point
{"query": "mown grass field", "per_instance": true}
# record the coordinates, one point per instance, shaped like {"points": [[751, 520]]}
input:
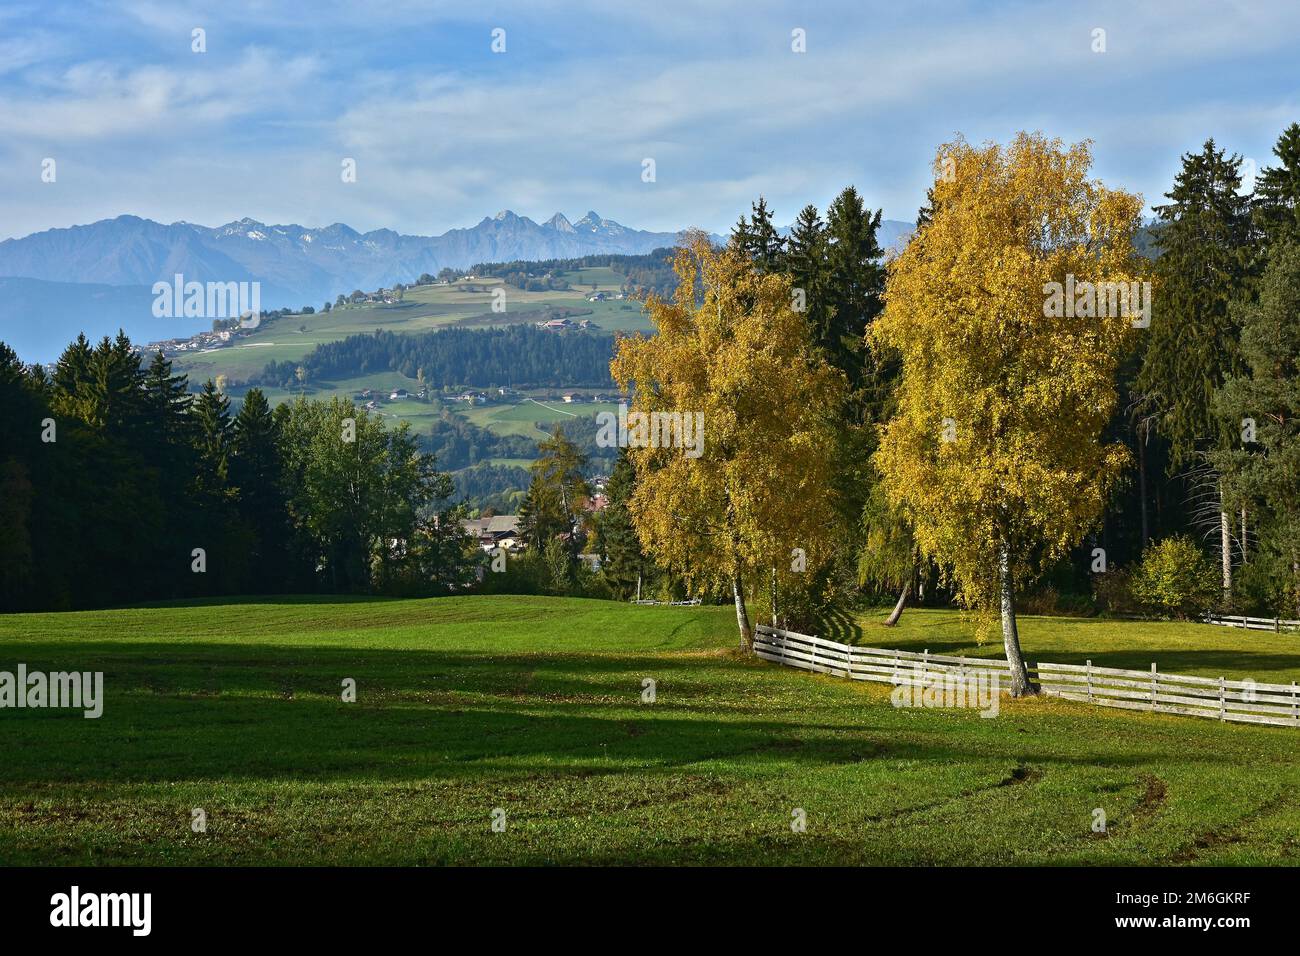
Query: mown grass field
{"points": [[533, 706]]}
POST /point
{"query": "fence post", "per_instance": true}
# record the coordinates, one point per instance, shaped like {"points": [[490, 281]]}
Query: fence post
{"points": [[1089, 672], [1222, 700], [925, 663], [1154, 681], [1295, 710], [1277, 625]]}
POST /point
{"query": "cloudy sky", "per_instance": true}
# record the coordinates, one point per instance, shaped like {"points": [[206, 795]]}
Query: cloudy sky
{"points": [[445, 131]]}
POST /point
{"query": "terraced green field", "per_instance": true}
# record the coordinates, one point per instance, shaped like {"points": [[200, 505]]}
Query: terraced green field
{"points": [[533, 708]]}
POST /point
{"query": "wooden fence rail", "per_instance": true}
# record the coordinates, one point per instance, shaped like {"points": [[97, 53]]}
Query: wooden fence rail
{"points": [[1244, 701], [1275, 624]]}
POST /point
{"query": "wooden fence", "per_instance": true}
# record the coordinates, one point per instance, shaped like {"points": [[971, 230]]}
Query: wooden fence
{"points": [[1252, 623], [1244, 701]]}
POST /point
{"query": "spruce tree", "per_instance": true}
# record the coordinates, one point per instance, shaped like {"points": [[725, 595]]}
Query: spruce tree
{"points": [[1204, 238], [217, 529], [167, 399], [212, 437], [741, 238], [1278, 192], [256, 470], [766, 247], [623, 563], [855, 282], [1204, 241], [71, 375], [806, 263], [172, 454], [1263, 468]]}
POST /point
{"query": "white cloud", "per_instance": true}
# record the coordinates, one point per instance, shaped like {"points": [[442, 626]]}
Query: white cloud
{"points": [[563, 121], [99, 99]]}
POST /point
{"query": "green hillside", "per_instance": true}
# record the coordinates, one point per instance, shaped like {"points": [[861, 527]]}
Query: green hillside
{"points": [[465, 304]]}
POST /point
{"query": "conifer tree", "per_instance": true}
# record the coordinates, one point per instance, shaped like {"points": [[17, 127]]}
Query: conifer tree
{"points": [[806, 263], [622, 561], [1263, 468], [855, 282], [1205, 263], [256, 469], [1278, 192], [212, 438]]}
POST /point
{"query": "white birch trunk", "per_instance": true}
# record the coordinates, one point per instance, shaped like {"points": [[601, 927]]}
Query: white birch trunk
{"points": [[742, 616], [1020, 684]]}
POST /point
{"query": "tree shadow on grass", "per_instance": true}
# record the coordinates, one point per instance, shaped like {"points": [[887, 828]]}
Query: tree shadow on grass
{"points": [[237, 713], [245, 599], [838, 624]]}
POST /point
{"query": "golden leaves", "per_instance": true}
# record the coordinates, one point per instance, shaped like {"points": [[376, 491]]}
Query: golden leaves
{"points": [[1028, 394], [730, 346]]}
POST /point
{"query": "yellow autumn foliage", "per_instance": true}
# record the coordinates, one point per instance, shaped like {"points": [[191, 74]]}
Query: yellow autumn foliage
{"points": [[731, 346], [997, 441]]}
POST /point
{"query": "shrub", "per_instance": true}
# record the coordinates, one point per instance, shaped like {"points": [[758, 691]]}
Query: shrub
{"points": [[1113, 592], [1048, 600], [1176, 578], [525, 573]]}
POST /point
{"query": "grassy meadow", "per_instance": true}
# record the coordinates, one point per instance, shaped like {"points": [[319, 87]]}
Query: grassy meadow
{"points": [[533, 706], [532, 418]]}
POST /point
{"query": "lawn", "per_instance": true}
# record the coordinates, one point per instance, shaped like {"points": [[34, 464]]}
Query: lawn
{"points": [[533, 706]]}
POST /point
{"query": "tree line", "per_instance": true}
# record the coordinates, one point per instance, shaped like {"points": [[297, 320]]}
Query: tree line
{"points": [[519, 356], [642, 274], [119, 485]]}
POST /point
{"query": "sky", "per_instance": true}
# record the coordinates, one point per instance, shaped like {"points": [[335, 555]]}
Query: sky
{"points": [[443, 130]]}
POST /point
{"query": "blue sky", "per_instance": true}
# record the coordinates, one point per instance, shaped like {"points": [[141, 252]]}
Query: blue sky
{"points": [[444, 131]]}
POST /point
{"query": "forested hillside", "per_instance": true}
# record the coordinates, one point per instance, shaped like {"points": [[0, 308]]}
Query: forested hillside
{"points": [[518, 356]]}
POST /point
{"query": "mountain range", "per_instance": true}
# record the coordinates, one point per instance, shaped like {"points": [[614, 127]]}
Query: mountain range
{"points": [[97, 277]]}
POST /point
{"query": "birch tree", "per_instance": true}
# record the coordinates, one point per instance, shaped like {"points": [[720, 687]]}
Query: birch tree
{"points": [[995, 454], [731, 353]]}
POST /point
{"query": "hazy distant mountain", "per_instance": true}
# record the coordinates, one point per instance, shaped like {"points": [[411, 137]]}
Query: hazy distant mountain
{"points": [[297, 265], [98, 276], [893, 235]]}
